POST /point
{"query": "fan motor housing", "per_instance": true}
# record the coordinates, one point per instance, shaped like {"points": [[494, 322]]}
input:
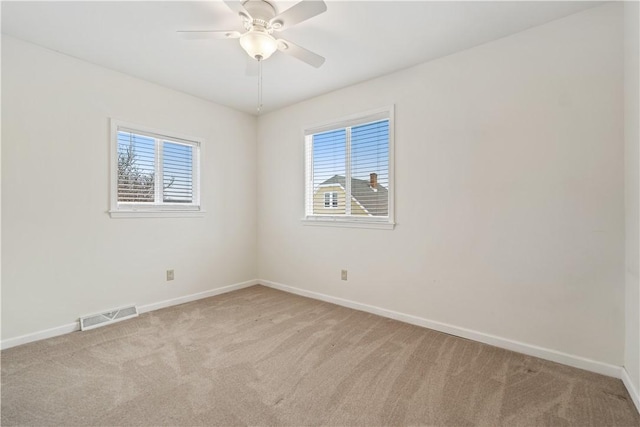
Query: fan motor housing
{"points": [[260, 10]]}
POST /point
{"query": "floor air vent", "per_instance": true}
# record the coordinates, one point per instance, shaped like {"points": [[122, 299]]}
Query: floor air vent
{"points": [[103, 319]]}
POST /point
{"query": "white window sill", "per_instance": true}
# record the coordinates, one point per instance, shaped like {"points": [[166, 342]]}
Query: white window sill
{"points": [[349, 223], [155, 214]]}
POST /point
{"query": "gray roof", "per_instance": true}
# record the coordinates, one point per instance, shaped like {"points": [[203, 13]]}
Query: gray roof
{"points": [[375, 202]]}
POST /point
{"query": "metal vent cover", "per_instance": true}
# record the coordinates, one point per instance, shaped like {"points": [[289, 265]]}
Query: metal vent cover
{"points": [[108, 317]]}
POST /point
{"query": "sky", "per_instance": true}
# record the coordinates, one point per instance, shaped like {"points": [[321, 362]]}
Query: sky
{"points": [[369, 153]]}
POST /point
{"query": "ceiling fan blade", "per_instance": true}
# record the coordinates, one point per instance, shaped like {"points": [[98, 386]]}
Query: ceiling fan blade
{"points": [[300, 53], [237, 8], [297, 13], [210, 35], [253, 67]]}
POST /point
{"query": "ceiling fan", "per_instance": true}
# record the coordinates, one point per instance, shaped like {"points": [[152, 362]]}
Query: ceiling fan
{"points": [[260, 20]]}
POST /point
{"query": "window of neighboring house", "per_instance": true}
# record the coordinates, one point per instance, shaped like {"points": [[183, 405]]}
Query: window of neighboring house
{"points": [[351, 157], [154, 173], [331, 199]]}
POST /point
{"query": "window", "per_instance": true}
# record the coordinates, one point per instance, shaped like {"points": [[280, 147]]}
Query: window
{"points": [[153, 173], [331, 200], [349, 171]]}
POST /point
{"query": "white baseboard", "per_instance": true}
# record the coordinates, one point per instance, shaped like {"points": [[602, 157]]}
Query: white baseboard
{"points": [[40, 335], [75, 326], [520, 347], [193, 297], [633, 392]]}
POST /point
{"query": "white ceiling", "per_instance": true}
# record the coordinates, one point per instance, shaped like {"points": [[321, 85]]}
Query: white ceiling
{"points": [[359, 39]]}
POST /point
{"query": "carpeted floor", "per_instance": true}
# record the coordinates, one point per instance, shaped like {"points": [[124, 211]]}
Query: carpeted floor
{"points": [[263, 357]]}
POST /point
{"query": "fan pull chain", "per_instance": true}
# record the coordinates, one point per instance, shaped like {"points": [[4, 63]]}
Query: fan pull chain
{"points": [[259, 86]]}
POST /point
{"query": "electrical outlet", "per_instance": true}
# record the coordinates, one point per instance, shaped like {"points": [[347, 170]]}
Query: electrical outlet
{"points": [[170, 275], [343, 274]]}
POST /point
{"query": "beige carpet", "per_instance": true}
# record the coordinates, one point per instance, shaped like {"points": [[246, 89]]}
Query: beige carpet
{"points": [[263, 357]]}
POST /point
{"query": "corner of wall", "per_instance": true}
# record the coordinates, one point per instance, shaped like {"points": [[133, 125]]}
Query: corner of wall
{"points": [[632, 197]]}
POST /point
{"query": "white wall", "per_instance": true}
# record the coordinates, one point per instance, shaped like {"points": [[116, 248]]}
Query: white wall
{"points": [[510, 201], [632, 191], [509, 195], [63, 256]]}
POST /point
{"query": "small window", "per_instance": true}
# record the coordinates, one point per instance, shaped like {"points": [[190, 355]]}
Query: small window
{"points": [[349, 171], [331, 200], [154, 173]]}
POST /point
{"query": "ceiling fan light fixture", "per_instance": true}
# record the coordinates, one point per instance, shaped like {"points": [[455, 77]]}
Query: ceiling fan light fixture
{"points": [[258, 44]]}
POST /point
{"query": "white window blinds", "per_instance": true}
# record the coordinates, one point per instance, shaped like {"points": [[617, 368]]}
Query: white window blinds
{"points": [[348, 170], [370, 168], [177, 172], [328, 165], [136, 168], [155, 171]]}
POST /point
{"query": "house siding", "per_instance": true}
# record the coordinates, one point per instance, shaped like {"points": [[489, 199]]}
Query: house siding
{"points": [[320, 209]]}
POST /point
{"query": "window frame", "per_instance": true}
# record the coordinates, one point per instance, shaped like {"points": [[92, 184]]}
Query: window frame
{"points": [[155, 209], [388, 222]]}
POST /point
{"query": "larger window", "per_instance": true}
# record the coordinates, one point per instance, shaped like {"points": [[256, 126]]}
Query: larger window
{"points": [[154, 173], [349, 171]]}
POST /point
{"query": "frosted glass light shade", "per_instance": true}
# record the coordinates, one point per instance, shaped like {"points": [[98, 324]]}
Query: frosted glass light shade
{"points": [[259, 45]]}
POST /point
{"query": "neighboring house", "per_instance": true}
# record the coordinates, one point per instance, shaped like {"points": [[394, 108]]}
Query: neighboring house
{"points": [[368, 198]]}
